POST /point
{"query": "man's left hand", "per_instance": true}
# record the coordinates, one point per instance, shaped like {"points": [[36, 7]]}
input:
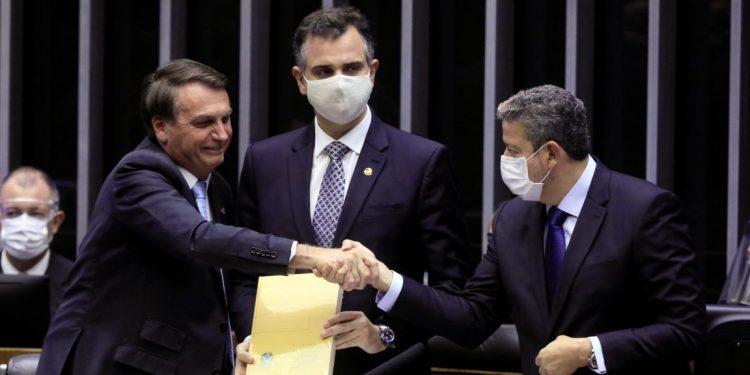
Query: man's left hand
{"points": [[243, 358], [353, 329], [564, 355]]}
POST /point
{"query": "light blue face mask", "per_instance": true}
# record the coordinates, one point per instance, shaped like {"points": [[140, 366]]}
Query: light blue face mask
{"points": [[515, 174]]}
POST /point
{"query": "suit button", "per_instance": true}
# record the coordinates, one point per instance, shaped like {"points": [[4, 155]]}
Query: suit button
{"points": [[223, 327]]}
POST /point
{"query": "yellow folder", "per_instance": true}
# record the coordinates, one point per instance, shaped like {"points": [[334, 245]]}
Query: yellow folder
{"points": [[289, 315]]}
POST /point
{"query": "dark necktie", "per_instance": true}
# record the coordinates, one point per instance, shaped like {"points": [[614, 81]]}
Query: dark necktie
{"points": [[331, 197], [555, 248], [199, 192]]}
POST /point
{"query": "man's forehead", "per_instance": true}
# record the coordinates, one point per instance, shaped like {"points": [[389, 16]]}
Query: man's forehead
{"points": [[12, 192], [514, 133], [24, 202], [345, 48]]}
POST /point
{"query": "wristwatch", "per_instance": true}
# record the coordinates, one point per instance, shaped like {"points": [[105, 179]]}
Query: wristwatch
{"points": [[387, 337]]}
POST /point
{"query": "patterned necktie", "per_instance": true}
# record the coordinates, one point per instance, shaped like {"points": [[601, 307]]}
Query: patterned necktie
{"points": [[199, 192], [555, 248], [331, 197]]}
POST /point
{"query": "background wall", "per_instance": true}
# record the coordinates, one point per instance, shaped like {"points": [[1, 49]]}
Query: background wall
{"points": [[665, 83]]}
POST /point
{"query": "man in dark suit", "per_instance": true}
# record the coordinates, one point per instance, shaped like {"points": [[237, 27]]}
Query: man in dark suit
{"points": [[29, 219], [596, 267], [395, 191], [147, 292]]}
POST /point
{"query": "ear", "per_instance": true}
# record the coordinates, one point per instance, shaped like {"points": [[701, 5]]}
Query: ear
{"points": [[300, 78], [159, 125], [374, 64], [56, 221], [554, 153]]}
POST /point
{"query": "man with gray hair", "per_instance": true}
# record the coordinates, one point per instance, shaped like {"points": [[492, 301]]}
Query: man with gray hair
{"points": [[29, 219], [596, 267]]}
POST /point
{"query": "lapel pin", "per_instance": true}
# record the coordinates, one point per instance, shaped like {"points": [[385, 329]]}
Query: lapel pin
{"points": [[223, 211], [367, 171]]}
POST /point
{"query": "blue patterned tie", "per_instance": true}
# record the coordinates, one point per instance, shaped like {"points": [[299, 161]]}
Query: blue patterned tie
{"points": [[199, 192], [331, 197], [555, 249]]}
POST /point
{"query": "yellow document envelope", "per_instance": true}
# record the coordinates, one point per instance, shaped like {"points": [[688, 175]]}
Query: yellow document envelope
{"points": [[289, 315]]}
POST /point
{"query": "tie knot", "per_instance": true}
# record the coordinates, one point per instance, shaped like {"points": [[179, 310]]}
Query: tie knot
{"points": [[336, 150], [199, 190], [556, 216]]}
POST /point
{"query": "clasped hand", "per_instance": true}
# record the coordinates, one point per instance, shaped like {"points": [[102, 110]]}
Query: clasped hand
{"points": [[353, 267]]}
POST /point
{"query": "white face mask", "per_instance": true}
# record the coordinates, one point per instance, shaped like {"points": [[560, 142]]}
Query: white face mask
{"points": [[24, 237], [515, 173], [340, 98]]}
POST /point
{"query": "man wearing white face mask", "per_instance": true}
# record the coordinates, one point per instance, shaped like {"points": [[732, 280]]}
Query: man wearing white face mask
{"points": [[29, 219], [596, 267], [350, 175]]}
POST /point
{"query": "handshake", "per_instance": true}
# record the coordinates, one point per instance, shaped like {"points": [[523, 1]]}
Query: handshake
{"points": [[353, 266]]}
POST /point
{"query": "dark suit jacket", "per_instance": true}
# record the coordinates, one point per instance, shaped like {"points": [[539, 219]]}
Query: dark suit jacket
{"points": [[57, 270], [144, 293], [408, 212], [628, 277]]}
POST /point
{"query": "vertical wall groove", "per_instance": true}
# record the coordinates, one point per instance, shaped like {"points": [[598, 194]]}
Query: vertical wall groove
{"points": [[172, 24], [498, 79], [415, 15], [254, 71], [90, 62], [660, 93], [10, 67], [739, 127], [579, 53]]}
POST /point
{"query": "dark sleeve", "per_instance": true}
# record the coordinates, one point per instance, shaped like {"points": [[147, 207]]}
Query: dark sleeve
{"points": [[468, 318], [667, 276], [443, 238], [150, 207]]}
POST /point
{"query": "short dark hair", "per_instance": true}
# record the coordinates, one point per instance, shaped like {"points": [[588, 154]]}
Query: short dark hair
{"points": [[26, 177], [159, 89], [331, 23], [550, 113]]}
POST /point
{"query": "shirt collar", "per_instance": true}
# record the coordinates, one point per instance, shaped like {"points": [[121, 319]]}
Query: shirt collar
{"points": [[191, 179], [39, 269], [354, 139], [572, 202]]}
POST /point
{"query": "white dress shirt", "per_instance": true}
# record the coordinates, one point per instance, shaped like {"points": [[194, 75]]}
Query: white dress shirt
{"points": [[354, 139], [39, 269]]}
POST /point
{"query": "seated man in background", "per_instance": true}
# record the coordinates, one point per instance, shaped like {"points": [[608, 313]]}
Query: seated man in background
{"points": [[29, 219]]}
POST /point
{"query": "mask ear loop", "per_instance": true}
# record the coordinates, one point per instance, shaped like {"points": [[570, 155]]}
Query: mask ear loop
{"points": [[534, 154]]}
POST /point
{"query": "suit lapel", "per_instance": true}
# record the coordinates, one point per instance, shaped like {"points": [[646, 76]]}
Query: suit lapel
{"points": [[369, 167], [299, 168], [216, 202], [532, 245], [587, 228]]}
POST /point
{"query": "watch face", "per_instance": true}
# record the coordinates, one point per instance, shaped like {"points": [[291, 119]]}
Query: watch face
{"points": [[387, 336]]}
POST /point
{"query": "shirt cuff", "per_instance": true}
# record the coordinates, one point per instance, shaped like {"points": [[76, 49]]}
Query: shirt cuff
{"points": [[386, 300], [293, 251], [601, 368]]}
